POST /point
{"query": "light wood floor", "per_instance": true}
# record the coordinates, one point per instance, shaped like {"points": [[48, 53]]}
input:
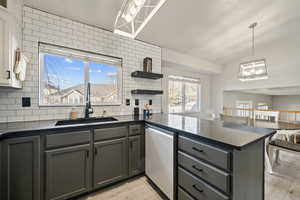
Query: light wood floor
{"points": [[136, 189], [284, 184]]}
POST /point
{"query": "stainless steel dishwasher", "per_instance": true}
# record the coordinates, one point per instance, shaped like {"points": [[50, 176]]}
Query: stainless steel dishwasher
{"points": [[159, 159]]}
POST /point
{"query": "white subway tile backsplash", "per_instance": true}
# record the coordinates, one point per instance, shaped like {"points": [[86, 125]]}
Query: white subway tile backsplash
{"points": [[39, 26]]}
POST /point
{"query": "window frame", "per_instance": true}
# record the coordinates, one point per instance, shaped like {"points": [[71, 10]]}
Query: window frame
{"points": [[86, 77], [183, 90], [244, 113]]}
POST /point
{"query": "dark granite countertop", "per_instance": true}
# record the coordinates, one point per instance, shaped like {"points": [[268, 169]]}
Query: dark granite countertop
{"points": [[274, 125], [230, 134], [227, 133], [14, 129]]}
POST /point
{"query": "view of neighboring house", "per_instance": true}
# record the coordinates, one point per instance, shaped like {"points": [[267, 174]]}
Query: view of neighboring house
{"points": [[100, 93]]}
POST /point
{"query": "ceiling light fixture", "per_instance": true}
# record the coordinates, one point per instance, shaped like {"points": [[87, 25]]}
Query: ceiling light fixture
{"points": [[254, 69], [134, 15]]}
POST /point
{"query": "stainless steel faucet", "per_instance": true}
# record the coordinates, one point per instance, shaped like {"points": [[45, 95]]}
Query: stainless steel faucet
{"points": [[88, 106]]}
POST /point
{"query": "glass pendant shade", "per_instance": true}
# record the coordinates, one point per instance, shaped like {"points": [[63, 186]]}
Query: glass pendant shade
{"points": [[254, 69]]}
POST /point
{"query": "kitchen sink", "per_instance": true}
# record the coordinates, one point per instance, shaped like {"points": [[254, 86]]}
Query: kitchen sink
{"points": [[85, 120]]}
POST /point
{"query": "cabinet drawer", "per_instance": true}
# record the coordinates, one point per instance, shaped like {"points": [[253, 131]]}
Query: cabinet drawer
{"points": [[198, 188], [135, 129], [68, 139], [110, 133], [205, 171], [182, 195], [214, 155]]}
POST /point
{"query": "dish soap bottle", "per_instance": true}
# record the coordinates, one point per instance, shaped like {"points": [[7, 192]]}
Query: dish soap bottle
{"points": [[73, 114]]}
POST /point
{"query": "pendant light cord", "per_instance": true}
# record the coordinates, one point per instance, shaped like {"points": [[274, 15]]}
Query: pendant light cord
{"points": [[252, 26], [253, 42]]}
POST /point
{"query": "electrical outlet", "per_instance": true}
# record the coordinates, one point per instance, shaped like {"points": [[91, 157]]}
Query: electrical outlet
{"points": [[127, 102], [26, 101]]}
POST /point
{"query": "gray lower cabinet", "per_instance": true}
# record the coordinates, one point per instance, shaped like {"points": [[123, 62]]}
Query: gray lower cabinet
{"points": [[72, 162], [110, 162], [67, 172], [135, 155], [182, 195], [21, 168]]}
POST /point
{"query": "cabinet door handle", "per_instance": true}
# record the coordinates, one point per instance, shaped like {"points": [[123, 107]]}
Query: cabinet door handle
{"points": [[196, 149], [198, 169], [87, 154], [96, 151], [196, 188], [131, 144]]}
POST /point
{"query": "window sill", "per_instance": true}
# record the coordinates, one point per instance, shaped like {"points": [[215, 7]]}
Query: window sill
{"points": [[93, 105]]}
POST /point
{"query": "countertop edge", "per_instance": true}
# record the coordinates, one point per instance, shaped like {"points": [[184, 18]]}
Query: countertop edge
{"points": [[208, 139], [36, 131]]}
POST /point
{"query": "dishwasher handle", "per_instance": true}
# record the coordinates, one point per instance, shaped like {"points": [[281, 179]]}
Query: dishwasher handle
{"points": [[159, 130]]}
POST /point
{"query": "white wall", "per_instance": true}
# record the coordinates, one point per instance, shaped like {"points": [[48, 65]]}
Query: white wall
{"points": [[286, 102], [230, 98], [194, 63], [44, 27], [283, 65], [170, 68]]}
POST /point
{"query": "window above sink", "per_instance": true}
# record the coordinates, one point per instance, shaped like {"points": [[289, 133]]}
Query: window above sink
{"points": [[64, 74]]}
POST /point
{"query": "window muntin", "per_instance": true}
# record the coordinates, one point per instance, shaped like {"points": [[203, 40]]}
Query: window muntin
{"points": [[183, 94], [244, 108], [175, 100], [191, 97], [105, 83], [64, 74]]}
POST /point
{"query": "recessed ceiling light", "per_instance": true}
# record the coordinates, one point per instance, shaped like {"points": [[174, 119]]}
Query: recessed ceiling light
{"points": [[134, 15]]}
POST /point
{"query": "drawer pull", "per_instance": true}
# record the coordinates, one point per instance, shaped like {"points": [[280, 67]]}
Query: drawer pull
{"points": [[198, 169], [196, 149], [196, 188]]}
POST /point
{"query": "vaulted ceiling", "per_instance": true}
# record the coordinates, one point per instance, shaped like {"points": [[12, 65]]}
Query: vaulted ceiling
{"points": [[216, 30]]}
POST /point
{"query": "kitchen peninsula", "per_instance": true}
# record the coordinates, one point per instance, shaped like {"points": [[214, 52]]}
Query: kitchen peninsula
{"points": [[212, 159]]}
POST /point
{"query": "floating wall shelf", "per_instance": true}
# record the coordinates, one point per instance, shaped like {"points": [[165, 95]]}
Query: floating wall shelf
{"points": [[148, 75], [153, 92]]}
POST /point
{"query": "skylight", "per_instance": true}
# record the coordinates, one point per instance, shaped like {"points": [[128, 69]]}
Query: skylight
{"points": [[134, 15]]}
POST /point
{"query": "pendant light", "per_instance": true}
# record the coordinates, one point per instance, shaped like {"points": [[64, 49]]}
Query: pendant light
{"points": [[255, 69]]}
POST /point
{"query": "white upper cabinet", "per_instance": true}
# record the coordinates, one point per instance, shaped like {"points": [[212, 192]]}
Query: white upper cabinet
{"points": [[3, 3], [10, 40], [4, 45]]}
